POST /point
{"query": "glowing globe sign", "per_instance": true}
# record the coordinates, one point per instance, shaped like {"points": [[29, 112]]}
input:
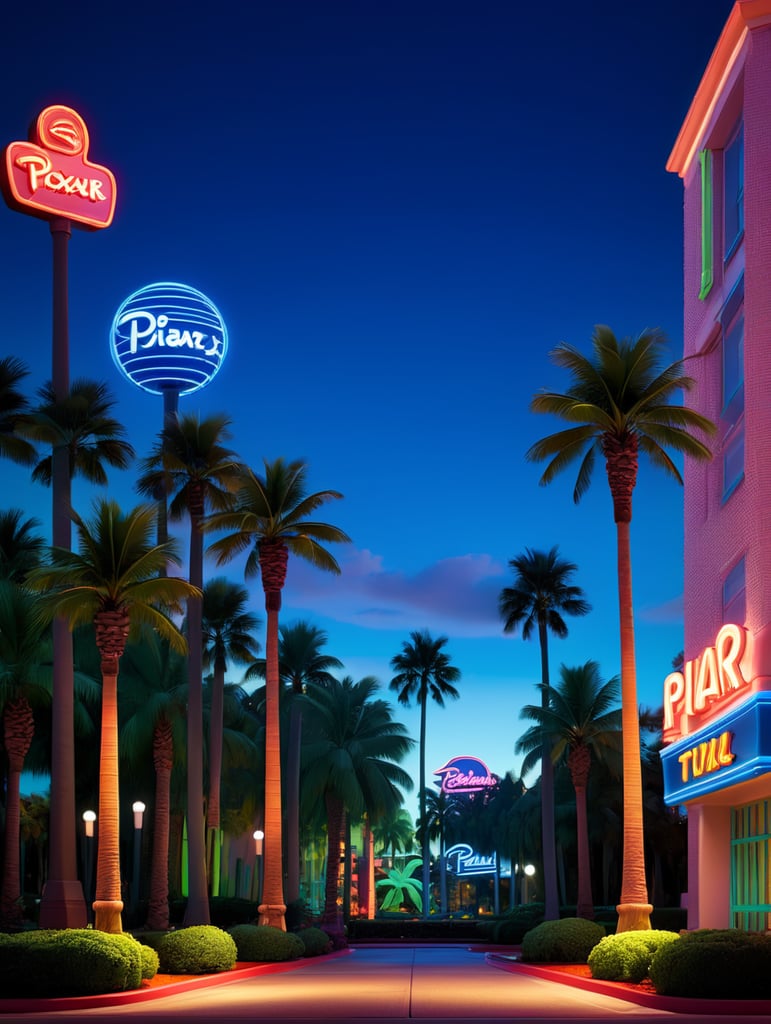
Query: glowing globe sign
{"points": [[168, 337]]}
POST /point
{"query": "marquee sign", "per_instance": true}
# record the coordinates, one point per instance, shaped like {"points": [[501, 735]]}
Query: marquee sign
{"points": [[51, 176], [462, 860], [466, 775], [168, 337]]}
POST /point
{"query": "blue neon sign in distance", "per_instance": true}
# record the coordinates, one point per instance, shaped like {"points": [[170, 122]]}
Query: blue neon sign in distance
{"points": [[168, 337]]}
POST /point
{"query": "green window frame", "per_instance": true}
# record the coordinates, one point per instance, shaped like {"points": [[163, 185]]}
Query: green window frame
{"points": [[707, 270], [751, 866]]}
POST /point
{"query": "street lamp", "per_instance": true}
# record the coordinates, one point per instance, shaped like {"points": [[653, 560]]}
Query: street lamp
{"points": [[89, 817], [139, 809], [259, 835], [528, 871]]}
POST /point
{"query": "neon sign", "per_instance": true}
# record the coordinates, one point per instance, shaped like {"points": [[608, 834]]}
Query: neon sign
{"points": [[709, 756], [51, 176], [705, 680], [461, 859], [466, 775], [168, 336]]}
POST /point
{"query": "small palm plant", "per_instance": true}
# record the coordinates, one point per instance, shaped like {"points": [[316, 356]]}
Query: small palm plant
{"points": [[400, 886]]}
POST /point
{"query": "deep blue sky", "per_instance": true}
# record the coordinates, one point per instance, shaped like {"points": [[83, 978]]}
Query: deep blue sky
{"points": [[399, 207]]}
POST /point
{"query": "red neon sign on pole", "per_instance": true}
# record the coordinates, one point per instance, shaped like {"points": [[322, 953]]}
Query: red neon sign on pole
{"points": [[51, 176]]}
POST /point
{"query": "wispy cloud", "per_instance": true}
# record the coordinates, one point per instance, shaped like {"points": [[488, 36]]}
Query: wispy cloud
{"points": [[663, 614], [458, 595]]}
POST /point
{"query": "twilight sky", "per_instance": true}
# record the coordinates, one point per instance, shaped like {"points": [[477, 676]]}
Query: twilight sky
{"points": [[399, 207]]}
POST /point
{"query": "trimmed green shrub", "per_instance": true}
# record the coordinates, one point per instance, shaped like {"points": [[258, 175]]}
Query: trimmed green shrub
{"points": [[150, 961], [201, 949], [714, 964], [627, 957], [510, 929], [315, 941], [262, 943], [73, 961], [568, 941]]}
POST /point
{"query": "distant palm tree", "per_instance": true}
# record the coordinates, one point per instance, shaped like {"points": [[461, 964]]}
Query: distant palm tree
{"points": [[580, 717], [424, 670], [442, 813], [191, 463], [539, 598], [271, 521], [620, 403], [228, 636], [20, 547], [113, 582], [351, 763], [14, 407], [301, 661], [395, 833]]}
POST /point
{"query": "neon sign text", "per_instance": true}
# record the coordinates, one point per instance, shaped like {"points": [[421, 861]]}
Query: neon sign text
{"points": [[707, 757], [153, 331], [705, 680], [466, 775], [462, 860], [42, 175]]}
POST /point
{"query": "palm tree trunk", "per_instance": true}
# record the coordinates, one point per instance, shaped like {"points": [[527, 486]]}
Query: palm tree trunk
{"points": [[579, 760], [18, 730], [215, 773], [293, 802], [163, 758], [634, 910], [548, 838], [108, 903], [335, 821], [197, 910], [426, 850]]}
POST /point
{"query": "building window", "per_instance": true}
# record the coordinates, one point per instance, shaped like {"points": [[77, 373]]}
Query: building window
{"points": [[751, 867], [734, 595], [705, 163], [733, 196], [733, 461], [732, 414]]}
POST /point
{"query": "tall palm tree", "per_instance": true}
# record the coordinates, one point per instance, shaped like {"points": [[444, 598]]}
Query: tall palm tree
{"points": [[228, 635], [153, 701], [351, 763], [441, 814], [20, 547], [271, 521], [191, 464], [620, 402], [423, 670], [301, 661], [539, 598], [114, 581], [76, 422], [13, 410], [578, 719]]}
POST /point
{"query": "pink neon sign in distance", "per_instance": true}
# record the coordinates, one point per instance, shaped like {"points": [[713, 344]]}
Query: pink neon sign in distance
{"points": [[466, 774], [51, 176]]}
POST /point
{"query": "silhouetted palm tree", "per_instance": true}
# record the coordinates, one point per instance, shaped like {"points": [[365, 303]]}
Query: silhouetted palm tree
{"points": [[20, 547], [620, 403], [14, 407]]}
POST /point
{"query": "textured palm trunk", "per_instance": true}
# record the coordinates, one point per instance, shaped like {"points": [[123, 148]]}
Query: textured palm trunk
{"points": [[197, 909], [293, 801], [426, 849], [215, 744], [163, 760], [634, 910], [579, 762], [273, 561], [18, 730], [331, 918], [548, 838]]}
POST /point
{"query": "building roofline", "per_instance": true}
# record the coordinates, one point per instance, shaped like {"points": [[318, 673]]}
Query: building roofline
{"points": [[744, 15]]}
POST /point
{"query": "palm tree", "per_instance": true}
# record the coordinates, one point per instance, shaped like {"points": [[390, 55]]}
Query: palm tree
{"points": [[228, 635], [351, 763], [539, 597], [424, 670], [76, 422], [271, 519], [620, 403], [441, 813], [153, 703], [190, 463], [20, 547], [13, 411], [301, 661], [578, 718], [114, 582], [396, 833]]}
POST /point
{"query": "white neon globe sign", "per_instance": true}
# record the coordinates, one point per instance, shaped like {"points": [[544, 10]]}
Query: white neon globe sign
{"points": [[168, 337]]}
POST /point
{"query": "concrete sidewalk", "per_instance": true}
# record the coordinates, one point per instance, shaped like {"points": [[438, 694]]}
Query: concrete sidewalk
{"points": [[380, 985]]}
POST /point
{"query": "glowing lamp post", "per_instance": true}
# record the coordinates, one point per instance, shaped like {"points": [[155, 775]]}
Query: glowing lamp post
{"points": [[139, 809], [259, 836], [89, 817], [527, 873]]}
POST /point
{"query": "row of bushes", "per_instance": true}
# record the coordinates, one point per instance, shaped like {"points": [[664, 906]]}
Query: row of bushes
{"points": [[709, 963], [82, 961]]}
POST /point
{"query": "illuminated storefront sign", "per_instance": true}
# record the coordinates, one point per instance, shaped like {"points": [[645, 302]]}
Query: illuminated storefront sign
{"points": [[466, 775], [732, 750], [168, 337], [693, 693], [51, 176], [461, 859]]}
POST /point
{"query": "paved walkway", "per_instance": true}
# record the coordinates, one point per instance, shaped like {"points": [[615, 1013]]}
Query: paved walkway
{"points": [[380, 985]]}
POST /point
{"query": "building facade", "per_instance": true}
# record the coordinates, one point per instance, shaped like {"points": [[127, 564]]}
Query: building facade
{"points": [[717, 761]]}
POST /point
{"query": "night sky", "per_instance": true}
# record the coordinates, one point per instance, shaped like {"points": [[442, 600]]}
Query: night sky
{"points": [[399, 208]]}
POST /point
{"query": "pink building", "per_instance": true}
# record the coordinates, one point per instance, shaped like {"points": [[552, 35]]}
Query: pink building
{"points": [[718, 710]]}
